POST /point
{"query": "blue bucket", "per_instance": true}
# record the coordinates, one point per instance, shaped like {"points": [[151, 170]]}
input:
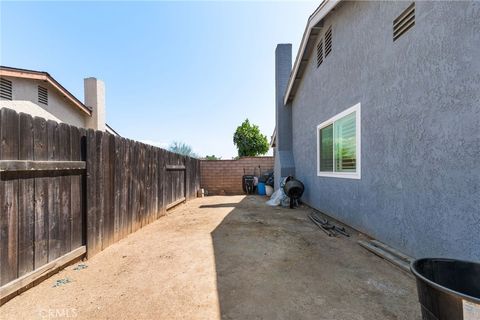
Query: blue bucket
{"points": [[261, 188]]}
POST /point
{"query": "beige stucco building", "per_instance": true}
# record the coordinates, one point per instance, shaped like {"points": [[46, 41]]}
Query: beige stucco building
{"points": [[39, 94]]}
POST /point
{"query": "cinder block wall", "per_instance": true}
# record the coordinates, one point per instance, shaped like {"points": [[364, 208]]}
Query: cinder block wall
{"points": [[220, 177]]}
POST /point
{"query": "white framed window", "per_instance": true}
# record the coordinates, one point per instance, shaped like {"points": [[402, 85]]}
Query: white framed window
{"points": [[339, 145]]}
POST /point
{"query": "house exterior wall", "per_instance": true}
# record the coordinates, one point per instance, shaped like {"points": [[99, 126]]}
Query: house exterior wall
{"points": [[220, 177], [420, 117], [58, 106]]}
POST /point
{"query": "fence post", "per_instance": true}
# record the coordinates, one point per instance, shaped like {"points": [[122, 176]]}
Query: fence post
{"points": [[91, 193]]}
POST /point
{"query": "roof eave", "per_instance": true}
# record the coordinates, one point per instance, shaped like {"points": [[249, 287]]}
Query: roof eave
{"points": [[273, 138], [312, 29], [111, 129], [44, 76]]}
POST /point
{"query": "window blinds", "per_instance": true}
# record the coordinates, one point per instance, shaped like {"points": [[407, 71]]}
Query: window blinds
{"points": [[345, 141], [338, 145], [326, 148]]}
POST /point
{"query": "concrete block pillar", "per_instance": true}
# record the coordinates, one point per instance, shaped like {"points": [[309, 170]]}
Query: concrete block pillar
{"points": [[94, 90]]}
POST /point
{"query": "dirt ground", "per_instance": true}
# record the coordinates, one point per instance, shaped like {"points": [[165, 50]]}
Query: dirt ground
{"points": [[226, 257]]}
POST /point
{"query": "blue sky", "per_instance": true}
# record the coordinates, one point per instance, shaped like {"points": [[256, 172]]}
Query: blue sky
{"points": [[174, 71]]}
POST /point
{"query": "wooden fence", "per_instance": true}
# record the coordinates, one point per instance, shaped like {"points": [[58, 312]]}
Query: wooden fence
{"points": [[131, 184], [66, 192]]}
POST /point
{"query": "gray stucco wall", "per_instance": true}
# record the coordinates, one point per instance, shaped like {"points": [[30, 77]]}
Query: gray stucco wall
{"points": [[420, 100]]}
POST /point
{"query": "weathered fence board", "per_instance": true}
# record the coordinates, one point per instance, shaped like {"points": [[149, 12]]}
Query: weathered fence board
{"points": [[8, 199], [32, 165], [26, 217], [27, 279], [53, 144], [41, 194], [77, 192], [160, 155], [117, 185], [130, 173], [64, 215], [99, 196], [91, 201]]}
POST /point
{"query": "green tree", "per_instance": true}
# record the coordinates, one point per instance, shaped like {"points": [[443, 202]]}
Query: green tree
{"points": [[182, 148], [212, 157], [249, 140]]}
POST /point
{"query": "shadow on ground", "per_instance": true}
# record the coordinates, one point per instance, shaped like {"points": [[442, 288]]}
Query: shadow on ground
{"points": [[273, 263]]}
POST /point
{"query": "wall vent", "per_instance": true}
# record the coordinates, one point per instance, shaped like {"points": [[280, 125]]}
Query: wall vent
{"points": [[319, 53], [5, 89], [404, 21], [328, 41], [42, 95]]}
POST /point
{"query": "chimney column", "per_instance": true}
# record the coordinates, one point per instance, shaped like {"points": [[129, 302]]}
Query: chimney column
{"points": [[284, 161], [95, 99]]}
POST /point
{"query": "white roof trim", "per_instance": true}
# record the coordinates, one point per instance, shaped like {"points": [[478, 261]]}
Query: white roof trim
{"points": [[273, 138], [325, 7]]}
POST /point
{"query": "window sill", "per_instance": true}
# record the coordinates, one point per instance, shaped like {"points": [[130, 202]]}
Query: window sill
{"points": [[344, 175]]}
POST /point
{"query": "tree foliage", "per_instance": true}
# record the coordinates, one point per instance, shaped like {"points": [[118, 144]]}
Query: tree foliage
{"points": [[182, 148], [249, 140], [212, 157]]}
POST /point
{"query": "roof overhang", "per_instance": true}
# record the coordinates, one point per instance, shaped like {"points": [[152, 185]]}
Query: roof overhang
{"points": [[273, 138], [111, 130], [313, 28], [44, 76]]}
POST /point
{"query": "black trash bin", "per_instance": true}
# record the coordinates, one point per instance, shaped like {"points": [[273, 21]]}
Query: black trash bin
{"points": [[448, 289], [293, 188]]}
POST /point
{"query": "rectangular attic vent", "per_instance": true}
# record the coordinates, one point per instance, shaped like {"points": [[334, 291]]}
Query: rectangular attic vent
{"points": [[328, 41], [5, 89], [404, 21], [42, 95], [319, 53]]}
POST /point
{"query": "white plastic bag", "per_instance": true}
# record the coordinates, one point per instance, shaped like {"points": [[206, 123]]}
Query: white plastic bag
{"points": [[276, 198], [279, 197]]}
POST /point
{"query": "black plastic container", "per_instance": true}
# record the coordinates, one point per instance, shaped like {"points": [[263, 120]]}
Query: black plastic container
{"points": [[248, 184], [293, 188], [448, 289]]}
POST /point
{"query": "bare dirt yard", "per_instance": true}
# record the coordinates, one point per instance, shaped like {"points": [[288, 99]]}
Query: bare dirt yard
{"points": [[226, 258]]}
